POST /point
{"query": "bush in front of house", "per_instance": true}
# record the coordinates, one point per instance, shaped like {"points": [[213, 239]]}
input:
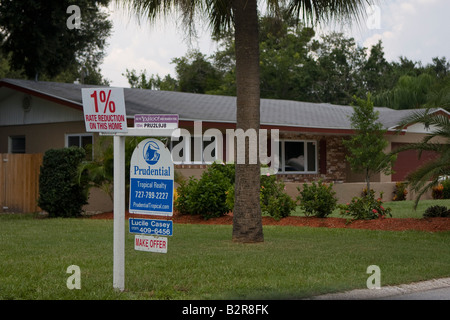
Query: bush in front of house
{"points": [[206, 196], [400, 191], [272, 198], [61, 194], [442, 190], [445, 188], [436, 211], [365, 208], [317, 199], [437, 192]]}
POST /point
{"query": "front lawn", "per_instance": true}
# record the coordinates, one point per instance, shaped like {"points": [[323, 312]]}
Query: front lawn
{"points": [[203, 263]]}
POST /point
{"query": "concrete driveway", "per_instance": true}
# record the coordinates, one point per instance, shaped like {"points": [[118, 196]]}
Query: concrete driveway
{"points": [[437, 289]]}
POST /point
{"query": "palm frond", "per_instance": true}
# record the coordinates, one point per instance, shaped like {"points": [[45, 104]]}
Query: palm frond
{"points": [[437, 140], [325, 10], [426, 177], [217, 13]]}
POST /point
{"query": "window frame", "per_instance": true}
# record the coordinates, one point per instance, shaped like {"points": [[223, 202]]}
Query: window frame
{"points": [[80, 135], [305, 152], [11, 144]]}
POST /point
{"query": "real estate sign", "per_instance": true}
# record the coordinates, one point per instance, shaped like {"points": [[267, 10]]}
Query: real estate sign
{"points": [[104, 110], [151, 179], [151, 226], [156, 121], [150, 244]]}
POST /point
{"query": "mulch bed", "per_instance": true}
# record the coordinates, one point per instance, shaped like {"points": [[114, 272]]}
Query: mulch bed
{"points": [[391, 224]]}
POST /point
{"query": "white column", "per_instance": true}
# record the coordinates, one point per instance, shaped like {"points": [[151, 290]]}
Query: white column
{"points": [[119, 213]]}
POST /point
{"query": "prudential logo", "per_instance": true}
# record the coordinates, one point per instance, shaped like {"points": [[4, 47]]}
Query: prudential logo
{"points": [[151, 154]]}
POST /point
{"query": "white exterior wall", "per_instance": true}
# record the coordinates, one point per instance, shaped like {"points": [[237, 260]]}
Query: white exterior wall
{"points": [[40, 111]]}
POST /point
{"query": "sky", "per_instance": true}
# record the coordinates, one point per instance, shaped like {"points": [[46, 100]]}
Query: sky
{"points": [[415, 29]]}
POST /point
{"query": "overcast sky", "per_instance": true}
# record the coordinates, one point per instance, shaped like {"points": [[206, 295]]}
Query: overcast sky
{"points": [[416, 29]]}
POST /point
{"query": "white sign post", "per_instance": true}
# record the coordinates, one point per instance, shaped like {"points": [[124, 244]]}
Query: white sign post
{"points": [[104, 112], [119, 214]]}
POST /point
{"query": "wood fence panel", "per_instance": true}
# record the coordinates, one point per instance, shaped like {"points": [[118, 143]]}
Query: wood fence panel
{"points": [[19, 182]]}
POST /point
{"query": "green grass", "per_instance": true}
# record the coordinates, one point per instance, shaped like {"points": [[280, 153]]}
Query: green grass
{"points": [[405, 209], [203, 263]]}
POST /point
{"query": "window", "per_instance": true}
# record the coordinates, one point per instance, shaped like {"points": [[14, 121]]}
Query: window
{"points": [[298, 156], [16, 144], [194, 150], [82, 141]]}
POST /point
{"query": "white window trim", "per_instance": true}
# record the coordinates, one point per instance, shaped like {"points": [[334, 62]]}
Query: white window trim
{"points": [[305, 152]]}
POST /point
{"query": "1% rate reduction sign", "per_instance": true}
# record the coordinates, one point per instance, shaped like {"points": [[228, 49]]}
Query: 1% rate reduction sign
{"points": [[104, 110]]}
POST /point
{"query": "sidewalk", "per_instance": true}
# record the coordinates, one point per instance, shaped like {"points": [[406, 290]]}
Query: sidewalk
{"points": [[437, 289]]}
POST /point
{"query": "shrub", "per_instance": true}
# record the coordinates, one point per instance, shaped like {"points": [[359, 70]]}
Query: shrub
{"points": [[400, 191], [273, 200], [445, 189], [436, 211], [210, 194], [365, 208], [185, 192], [206, 196], [61, 194], [437, 192], [317, 199], [279, 206]]}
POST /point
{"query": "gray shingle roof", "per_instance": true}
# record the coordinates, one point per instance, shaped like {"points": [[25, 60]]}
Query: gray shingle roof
{"points": [[190, 106]]}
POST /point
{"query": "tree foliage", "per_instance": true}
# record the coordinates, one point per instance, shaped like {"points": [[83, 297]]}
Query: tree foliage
{"points": [[35, 38], [429, 175], [295, 64], [366, 147]]}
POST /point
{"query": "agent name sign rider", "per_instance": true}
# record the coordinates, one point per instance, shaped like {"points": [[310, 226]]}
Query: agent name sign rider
{"points": [[151, 179]]}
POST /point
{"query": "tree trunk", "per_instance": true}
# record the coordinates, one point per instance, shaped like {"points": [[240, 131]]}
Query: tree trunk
{"points": [[368, 181], [247, 220]]}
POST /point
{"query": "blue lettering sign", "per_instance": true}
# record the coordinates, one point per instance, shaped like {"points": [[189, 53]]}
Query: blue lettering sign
{"points": [[151, 227]]}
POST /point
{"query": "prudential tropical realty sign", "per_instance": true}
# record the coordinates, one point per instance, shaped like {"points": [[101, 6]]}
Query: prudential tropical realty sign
{"points": [[151, 179]]}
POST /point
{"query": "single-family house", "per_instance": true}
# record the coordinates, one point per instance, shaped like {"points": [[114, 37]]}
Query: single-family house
{"points": [[36, 116]]}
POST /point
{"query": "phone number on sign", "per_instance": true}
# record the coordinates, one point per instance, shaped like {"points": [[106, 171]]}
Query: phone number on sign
{"points": [[151, 195], [157, 231]]}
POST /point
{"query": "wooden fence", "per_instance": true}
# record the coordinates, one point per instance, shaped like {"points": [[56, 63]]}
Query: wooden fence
{"points": [[19, 182]]}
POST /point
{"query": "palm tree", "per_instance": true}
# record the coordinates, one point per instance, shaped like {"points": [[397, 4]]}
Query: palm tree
{"points": [[438, 140], [242, 17]]}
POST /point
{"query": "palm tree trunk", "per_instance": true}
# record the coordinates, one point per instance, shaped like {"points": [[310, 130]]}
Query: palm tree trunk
{"points": [[247, 220]]}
